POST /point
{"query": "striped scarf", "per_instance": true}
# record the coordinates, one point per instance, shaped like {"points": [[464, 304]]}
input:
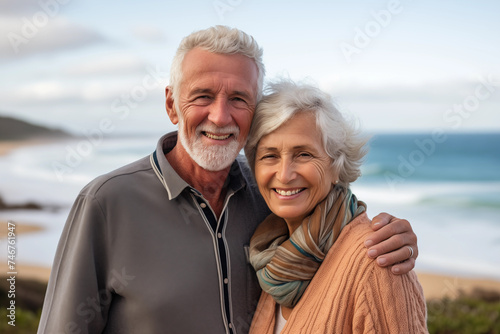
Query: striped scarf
{"points": [[285, 265]]}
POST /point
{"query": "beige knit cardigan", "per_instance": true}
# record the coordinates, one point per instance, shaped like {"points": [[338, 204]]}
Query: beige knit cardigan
{"points": [[350, 293]]}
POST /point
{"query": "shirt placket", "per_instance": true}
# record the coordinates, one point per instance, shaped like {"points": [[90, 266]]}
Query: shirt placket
{"points": [[217, 230]]}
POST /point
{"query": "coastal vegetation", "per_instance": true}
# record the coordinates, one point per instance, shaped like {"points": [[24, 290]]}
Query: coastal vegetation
{"points": [[16, 129]]}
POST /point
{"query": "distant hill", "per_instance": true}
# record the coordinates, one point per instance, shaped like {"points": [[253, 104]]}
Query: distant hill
{"points": [[15, 129]]}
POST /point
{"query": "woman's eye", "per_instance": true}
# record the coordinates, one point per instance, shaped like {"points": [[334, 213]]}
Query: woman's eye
{"points": [[305, 154]]}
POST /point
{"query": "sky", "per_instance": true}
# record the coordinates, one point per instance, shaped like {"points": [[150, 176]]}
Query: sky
{"points": [[392, 66]]}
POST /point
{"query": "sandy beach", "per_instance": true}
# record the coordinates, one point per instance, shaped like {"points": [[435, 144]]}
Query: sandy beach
{"points": [[439, 285], [7, 146], [21, 228], [24, 271]]}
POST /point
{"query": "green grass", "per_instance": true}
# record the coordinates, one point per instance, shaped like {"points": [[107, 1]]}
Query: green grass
{"points": [[28, 299], [26, 322], [474, 313]]}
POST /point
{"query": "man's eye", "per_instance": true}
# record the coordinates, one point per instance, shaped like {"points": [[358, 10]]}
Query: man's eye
{"points": [[268, 156], [239, 101]]}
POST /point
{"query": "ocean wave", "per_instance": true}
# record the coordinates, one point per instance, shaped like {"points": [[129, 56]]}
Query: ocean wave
{"points": [[463, 202], [452, 265], [457, 194]]}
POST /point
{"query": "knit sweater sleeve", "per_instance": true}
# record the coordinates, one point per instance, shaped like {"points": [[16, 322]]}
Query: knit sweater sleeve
{"points": [[388, 303]]}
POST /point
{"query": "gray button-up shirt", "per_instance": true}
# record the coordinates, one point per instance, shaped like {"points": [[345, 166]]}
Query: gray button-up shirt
{"points": [[138, 255]]}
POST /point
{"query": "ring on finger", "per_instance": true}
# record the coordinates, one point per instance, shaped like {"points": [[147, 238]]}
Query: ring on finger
{"points": [[411, 251]]}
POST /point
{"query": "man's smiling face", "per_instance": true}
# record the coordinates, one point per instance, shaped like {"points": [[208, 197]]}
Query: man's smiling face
{"points": [[217, 100]]}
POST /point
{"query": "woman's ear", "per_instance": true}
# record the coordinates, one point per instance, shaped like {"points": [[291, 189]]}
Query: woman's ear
{"points": [[170, 105], [335, 177]]}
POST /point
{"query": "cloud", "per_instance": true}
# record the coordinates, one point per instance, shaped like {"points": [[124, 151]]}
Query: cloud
{"points": [[454, 105], [437, 92], [42, 34], [19, 6], [53, 92], [148, 33], [89, 87], [114, 64]]}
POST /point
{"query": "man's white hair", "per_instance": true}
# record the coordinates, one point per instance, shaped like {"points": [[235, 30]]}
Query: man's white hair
{"points": [[218, 39]]}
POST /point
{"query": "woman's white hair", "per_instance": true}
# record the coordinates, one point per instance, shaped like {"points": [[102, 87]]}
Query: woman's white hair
{"points": [[341, 141], [217, 39]]}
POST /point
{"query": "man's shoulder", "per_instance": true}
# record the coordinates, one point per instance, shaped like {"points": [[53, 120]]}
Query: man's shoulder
{"points": [[247, 174], [242, 163], [119, 177]]}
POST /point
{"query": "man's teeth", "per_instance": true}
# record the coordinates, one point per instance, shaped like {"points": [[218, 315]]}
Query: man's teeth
{"points": [[288, 192], [212, 136]]}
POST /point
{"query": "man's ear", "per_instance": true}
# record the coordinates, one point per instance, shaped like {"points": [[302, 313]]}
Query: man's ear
{"points": [[170, 105]]}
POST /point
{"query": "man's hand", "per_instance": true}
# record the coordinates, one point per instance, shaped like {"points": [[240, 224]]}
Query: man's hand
{"points": [[390, 243]]}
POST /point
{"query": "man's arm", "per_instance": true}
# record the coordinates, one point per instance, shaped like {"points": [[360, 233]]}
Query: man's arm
{"points": [[390, 243], [77, 299]]}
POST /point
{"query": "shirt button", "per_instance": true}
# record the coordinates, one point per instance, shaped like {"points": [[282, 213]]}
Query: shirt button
{"points": [[219, 235], [203, 205], [230, 325], [226, 280]]}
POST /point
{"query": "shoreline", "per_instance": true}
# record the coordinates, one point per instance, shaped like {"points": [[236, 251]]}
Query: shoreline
{"points": [[20, 228], [8, 146]]}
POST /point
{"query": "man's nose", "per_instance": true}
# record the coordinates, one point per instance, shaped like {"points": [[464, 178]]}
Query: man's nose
{"points": [[220, 113]]}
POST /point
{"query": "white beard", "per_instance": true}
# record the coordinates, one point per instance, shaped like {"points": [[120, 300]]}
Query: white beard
{"points": [[210, 157]]}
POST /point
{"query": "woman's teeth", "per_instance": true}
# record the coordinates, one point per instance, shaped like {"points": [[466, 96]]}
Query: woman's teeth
{"points": [[288, 192]]}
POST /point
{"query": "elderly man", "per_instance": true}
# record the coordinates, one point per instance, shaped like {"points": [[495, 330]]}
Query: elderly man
{"points": [[160, 245]]}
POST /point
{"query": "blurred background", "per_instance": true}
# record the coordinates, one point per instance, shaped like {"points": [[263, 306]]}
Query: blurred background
{"points": [[421, 77]]}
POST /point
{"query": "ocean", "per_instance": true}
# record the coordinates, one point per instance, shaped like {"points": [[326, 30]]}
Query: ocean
{"points": [[446, 185]]}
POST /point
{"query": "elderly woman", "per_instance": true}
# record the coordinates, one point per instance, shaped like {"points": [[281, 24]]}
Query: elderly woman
{"points": [[309, 254]]}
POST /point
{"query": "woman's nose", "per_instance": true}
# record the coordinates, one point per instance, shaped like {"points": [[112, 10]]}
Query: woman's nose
{"points": [[286, 172]]}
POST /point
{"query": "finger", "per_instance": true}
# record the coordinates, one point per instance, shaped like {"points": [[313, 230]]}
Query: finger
{"points": [[400, 226], [381, 220], [394, 257], [403, 267], [394, 244]]}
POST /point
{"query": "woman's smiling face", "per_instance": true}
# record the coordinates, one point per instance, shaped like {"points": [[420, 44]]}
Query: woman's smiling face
{"points": [[292, 169]]}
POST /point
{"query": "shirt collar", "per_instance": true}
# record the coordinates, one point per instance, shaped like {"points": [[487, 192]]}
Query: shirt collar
{"points": [[173, 183]]}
